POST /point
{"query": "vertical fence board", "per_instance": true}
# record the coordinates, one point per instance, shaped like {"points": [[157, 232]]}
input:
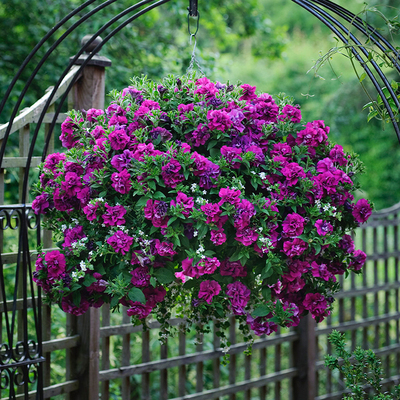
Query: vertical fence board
{"points": [[105, 352], [199, 365], [278, 355], [182, 368], [263, 371], [146, 358], [126, 357], [216, 361], [232, 358], [164, 372]]}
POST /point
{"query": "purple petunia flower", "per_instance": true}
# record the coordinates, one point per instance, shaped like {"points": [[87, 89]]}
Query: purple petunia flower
{"points": [[293, 225], [362, 211], [295, 248], [55, 263], [323, 227], [121, 181], [114, 216], [209, 289], [293, 172], [120, 242]]}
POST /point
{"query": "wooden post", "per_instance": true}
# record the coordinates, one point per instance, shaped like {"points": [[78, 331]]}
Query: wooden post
{"points": [[83, 362], [304, 360]]}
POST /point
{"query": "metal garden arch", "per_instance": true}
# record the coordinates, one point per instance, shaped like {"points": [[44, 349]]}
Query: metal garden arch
{"points": [[20, 361]]}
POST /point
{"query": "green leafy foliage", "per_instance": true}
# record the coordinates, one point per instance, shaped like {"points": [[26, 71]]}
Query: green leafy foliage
{"points": [[361, 370]]}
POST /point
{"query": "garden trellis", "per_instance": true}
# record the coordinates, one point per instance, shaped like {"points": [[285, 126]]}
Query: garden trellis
{"points": [[25, 358]]}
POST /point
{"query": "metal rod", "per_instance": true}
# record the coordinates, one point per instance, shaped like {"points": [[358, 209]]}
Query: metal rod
{"points": [[193, 8]]}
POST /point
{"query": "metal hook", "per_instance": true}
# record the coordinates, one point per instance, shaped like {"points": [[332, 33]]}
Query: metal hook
{"points": [[197, 27], [193, 12]]}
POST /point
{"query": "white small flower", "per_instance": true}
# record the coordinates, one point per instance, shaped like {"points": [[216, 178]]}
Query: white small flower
{"points": [[195, 233], [262, 175], [204, 191], [64, 227], [253, 172], [74, 274]]}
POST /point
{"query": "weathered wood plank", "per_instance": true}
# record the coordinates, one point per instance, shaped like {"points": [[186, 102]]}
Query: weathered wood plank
{"points": [[232, 358], [126, 357], [241, 386], [182, 368], [51, 391], [30, 114], [20, 162], [193, 358], [68, 342], [145, 360], [105, 352]]}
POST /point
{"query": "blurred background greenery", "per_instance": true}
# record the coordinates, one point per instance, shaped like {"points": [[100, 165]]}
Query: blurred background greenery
{"points": [[268, 43]]}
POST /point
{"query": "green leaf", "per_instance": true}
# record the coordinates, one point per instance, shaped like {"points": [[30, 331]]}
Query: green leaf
{"points": [[135, 294], [363, 76], [202, 230], [142, 201], [89, 279], [153, 229], [261, 311], [211, 144], [266, 293], [191, 283], [317, 248], [236, 255], [171, 220], [153, 281], [394, 85], [114, 301], [267, 271], [164, 275], [76, 298]]}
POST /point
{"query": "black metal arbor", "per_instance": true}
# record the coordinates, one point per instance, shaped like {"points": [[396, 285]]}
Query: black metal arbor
{"points": [[21, 359]]}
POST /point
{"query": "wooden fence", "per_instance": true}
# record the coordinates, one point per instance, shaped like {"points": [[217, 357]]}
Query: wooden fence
{"points": [[99, 355]]}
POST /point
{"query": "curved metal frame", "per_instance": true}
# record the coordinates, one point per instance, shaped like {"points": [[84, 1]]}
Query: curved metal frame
{"points": [[326, 11]]}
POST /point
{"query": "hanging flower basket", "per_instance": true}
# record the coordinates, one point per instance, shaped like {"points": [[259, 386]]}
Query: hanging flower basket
{"points": [[201, 200]]}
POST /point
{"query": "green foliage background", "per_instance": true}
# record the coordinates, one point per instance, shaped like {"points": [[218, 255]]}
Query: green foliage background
{"points": [[268, 43]]}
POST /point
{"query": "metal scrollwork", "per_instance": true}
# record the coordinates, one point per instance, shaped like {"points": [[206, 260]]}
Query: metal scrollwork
{"points": [[32, 219], [21, 351], [4, 379], [5, 356]]}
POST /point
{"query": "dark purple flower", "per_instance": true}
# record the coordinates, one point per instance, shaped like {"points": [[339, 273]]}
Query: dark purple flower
{"points": [[171, 174], [41, 204], [290, 113], [118, 139], [156, 211], [323, 227], [248, 92], [232, 268], [55, 262], [71, 235], [293, 225], [121, 181], [362, 211], [239, 295], [317, 305], [140, 277], [139, 310], [209, 289], [53, 160], [93, 113], [293, 172], [218, 120], [295, 248], [120, 242], [114, 216], [347, 244], [358, 261], [122, 161]]}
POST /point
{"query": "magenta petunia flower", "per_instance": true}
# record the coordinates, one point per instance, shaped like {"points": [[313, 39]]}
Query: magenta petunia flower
{"points": [[157, 212], [40, 204], [246, 236], [53, 160], [140, 277], [154, 295], [295, 248], [171, 174], [138, 309], [165, 249], [185, 201], [209, 289], [249, 92], [347, 244], [230, 154], [233, 268], [93, 113], [218, 120], [230, 196], [293, 225], [55, 262], [323, 227], [91, 211], [317, 305], [120, 242], [71, 235], [293, 172], [244, 211], [239, 296], [118, 139], [290, 113], [72, 184], [362, 211], [358, 261], [121, 181], [114, 215], [218, 237]]}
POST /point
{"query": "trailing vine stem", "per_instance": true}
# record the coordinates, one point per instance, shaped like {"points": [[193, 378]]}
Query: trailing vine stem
{"points": [[375, 57]]}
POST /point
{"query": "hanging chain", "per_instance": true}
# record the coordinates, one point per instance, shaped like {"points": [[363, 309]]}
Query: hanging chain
{"points": [[192, 36]]}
